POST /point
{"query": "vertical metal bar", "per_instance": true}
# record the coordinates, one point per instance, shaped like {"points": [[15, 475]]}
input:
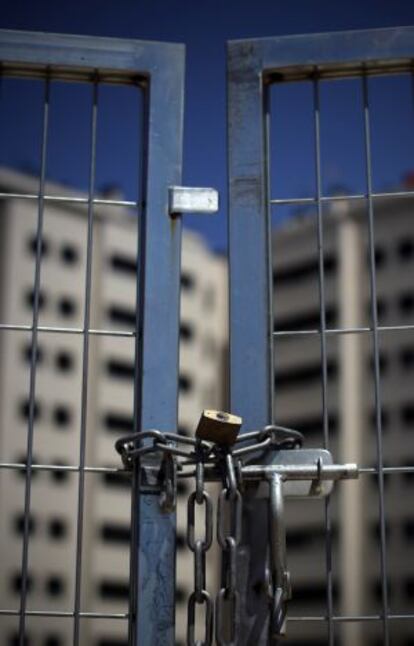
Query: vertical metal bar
{"points": [[85, 363], [375, 347], [133, 561], [152, 610], [33, 365], [251, 360], [324, 362], [251, 316]]}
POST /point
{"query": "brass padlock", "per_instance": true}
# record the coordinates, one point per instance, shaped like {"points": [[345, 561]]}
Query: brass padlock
{"points": [[218, 427]]}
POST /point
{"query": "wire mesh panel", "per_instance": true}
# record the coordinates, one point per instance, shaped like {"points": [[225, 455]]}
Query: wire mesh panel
{"points": [[78, 318], [314, 327]]}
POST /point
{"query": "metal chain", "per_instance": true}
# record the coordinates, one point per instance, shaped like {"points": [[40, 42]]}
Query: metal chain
{"points": [[229, 527], [209, 459], [199, 547], [135, 445]]}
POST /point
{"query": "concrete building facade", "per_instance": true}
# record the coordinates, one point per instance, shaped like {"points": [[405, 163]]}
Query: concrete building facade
{"points": [[110, 407], [354, 507]]}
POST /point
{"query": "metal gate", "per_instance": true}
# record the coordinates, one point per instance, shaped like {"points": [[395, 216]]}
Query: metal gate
{"points": [[254, 68], [158, 71]]}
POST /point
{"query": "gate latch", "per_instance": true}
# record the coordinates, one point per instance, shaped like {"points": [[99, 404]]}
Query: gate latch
{"points": [[300, 473]]}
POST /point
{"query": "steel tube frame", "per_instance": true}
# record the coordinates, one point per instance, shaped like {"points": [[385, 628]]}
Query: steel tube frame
{"points": [[158, 68], [252, 66]]}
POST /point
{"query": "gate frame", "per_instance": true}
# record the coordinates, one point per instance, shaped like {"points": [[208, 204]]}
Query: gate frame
{"points": [[159, 69], [252, 65]]}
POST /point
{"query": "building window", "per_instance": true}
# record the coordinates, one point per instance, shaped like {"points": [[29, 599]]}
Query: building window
{"points": [[406, 303], [313, 425], [14, 640], [408, 476], [24, 409], [407, 414], [16, 583], [187, 281], [306, 270], [55, 586], [62, 416], [182, 488], [69, 254], [409, 588], [385, 419], [22, 459], [408, 530], [123, 264], [53, 640], [376, 531], [306, 320], [110, 589], [67, 306], [59, 476], [27, 353], [19, 524], [118, 423], [117, 480], [185, 383], [405, 249], [122, 315], [303, 376], [186, 331], [407, 358], [376, 589], [29, 299], [115, 533], [180, 541], [383, 363], [118, 369], [180, 594], [380, 257], [311, 593], [32, 245], [57, 529], [64, 361]]}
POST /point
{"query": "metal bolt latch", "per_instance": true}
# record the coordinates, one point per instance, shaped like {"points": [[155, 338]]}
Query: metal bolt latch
{"points": [[300, 473], [185, 199]]}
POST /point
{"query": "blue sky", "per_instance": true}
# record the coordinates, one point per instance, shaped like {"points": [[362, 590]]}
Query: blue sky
{"points": [[205, 26]]}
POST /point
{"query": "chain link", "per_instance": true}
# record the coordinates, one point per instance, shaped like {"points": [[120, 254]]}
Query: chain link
{"points": [[229, 528], [199, 546]]}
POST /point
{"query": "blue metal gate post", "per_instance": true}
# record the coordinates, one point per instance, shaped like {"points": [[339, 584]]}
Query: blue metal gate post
{"points": [[152, 605], [250, 305]]}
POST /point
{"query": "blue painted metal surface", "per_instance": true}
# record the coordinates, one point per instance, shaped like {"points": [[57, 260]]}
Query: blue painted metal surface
{"points": [[252, 66]]}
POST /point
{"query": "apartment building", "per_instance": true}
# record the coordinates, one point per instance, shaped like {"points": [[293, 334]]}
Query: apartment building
{"points": [[350, 403], [110, 406], [353, 509]]}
